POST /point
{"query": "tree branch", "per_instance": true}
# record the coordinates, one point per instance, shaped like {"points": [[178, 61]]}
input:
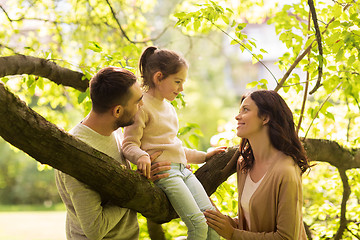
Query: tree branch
{"points": [[305, 91], [125, 34], [9, 48], [242, 45], [308, 231], [301, 56], [292, 67], [6, 14], [331, 152], [23, 18], [345, 198], [318, 39], [21, 64]]}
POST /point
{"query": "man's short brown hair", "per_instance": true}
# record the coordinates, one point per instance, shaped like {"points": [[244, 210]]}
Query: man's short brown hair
{"points": [[110, 87]]}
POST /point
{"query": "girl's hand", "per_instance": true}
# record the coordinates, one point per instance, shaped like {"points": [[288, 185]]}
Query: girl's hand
{"points": [[215, 151], [144, 166], [220, 223]]}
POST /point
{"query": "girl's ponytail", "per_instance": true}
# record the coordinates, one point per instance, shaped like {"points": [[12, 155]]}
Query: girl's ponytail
{"points": [[143, 63]]}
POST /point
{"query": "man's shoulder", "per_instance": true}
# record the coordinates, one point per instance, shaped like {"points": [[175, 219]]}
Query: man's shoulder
{"points": [[76, 129]]}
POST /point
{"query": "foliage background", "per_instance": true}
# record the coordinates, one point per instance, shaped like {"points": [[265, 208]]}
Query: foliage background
{"points": [[86, 35]]}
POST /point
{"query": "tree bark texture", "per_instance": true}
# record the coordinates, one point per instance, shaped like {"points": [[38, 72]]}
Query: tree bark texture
{"points": [[21, 64], [322, 150]]}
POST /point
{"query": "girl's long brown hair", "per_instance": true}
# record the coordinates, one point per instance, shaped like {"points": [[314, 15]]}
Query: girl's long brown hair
{"points": [[154, 59], [281, 129]]}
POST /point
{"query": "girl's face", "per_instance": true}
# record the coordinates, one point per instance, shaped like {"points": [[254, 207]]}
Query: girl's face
{"points": [[249, 123], [171, 86]]}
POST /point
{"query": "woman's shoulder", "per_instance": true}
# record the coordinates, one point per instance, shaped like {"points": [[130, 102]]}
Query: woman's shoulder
{"points": [[286, 167]]}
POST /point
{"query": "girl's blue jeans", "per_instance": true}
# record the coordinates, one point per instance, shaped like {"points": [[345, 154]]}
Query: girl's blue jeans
{"points": [[189, 199]]}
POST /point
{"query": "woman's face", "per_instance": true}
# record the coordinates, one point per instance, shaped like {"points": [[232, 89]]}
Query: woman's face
{"points": [[248, 121]]}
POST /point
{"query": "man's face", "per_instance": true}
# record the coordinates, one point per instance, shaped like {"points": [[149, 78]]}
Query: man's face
{"points": [[131, 108]]}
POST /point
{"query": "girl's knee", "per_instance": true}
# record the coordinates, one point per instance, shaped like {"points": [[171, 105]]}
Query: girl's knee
{"points": [[199, 223]]}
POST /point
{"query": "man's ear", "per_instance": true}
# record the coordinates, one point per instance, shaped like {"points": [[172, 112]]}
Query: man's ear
{"points": [[158, 76], [118, 111]]}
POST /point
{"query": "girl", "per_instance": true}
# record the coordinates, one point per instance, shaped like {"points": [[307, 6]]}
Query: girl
{"points": [[271, 161], [155, 129]]}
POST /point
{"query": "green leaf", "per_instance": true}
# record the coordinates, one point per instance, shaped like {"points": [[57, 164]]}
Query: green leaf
{"points": [[194, 140], [339, 55], [83, 95], [252, 84], [351, 60], [337, 10], [30, 81], [233, 23], [40, 83], [234, 42], [4, 79], [95, 47], [254, 60], [332, 68], [240, 26], [335, 24], [225, 19], [330, 115], [197, 24]]}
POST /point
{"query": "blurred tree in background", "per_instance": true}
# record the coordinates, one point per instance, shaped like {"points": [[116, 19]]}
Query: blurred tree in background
{"points": [[323, 89]]}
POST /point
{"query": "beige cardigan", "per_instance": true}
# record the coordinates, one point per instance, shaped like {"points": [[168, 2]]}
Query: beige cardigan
{"points": [[276, 205]]}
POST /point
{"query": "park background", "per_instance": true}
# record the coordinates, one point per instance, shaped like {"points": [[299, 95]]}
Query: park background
{"points": [[231, 46]]}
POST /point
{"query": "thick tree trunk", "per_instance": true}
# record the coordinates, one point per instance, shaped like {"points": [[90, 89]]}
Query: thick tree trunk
{"points": [[42, 140]]}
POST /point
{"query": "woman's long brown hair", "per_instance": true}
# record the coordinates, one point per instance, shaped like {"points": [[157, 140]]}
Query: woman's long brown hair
{"points": [[281, 129]]}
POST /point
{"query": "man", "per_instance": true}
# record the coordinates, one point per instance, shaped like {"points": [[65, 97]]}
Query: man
{"points": [[116, 97]]}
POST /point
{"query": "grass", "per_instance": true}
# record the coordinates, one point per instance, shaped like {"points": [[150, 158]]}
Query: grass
{"points": [[32, 208]]}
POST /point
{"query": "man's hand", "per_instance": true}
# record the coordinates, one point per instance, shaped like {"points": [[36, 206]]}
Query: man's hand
{"points": [[158, 167]]}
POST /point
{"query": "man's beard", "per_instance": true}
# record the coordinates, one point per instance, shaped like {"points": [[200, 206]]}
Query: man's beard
{"points": [[125, 121]]}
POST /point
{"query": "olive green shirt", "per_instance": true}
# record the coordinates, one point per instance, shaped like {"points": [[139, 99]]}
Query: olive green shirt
{"points": [[87, 217]]}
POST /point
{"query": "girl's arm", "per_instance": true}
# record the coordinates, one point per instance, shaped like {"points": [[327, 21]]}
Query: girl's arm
{"points": [[197, 157], [132, 142]]}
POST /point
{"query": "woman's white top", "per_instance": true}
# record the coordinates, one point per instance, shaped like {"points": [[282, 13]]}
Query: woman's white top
{"points": [[249, 189]]}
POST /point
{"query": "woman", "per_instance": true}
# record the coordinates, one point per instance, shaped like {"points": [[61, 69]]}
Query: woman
{"points": [[271, 161]]}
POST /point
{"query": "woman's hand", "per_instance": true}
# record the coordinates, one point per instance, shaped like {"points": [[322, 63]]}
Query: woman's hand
{"points": [[220, 223]]}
